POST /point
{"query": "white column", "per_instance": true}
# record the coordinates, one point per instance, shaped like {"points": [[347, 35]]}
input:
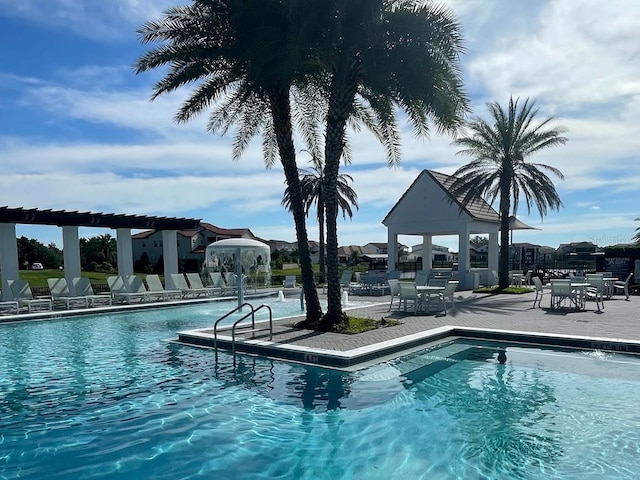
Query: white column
{"points": [[169, 256], [125, 252], [71, 254], [427, 253], [392, 250], [8, 258], [463, 257], [492, 259]]}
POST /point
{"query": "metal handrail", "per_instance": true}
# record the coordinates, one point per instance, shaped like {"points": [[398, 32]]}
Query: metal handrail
{"points": [[215, 326], [253, 326]]}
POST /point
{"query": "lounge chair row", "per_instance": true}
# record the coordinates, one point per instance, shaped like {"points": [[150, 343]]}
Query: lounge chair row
{"points": [[61, 295], [80, 294]]}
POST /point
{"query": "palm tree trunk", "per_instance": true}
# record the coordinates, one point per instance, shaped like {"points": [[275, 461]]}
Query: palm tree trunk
{"points": [[281, 112], [343, 91], [321, 224], [505, 207]]}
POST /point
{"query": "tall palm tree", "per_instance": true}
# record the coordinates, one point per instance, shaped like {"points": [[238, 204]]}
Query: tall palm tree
{"points": [[244, 58], [384, 56], [499, 169], [312, 187], [636, 237]]}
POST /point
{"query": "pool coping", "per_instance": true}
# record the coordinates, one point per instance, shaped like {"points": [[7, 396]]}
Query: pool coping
{"points": [[357, 358]]}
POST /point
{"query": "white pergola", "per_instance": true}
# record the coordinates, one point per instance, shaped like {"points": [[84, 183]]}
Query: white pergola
{"points": [[428, 209], [70, 221]]}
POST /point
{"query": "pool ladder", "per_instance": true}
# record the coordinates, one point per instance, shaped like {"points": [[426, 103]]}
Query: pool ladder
{"points": [[236, 328]]}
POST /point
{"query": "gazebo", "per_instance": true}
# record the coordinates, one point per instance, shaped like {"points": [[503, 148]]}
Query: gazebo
{"points": [[429, 209]]}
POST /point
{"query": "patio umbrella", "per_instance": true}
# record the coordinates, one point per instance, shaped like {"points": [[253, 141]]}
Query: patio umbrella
{"points": [[515, 224]]}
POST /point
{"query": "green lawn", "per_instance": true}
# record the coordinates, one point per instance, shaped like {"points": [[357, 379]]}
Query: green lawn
{"points": [[38, 278]]}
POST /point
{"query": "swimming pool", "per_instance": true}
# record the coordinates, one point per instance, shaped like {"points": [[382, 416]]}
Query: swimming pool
{"points": [[105, 397]]}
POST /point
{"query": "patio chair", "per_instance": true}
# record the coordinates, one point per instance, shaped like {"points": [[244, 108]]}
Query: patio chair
{"points": [[596, 290], [82, 286], [136, 285], [195, 283], [61, 294], [409, 295], [154, 286], [121, 291], [21, 292], [394, 290], [180, 282], [448, 294], [539, 291], [561, 291], [527, 278], [422, 277], [623, 285]]}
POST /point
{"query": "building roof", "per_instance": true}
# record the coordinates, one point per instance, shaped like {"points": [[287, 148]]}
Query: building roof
{"points": [[62, 218], [190, 232], [478, 208]]}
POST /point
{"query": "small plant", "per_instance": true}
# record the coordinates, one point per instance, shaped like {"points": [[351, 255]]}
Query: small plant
{"points": [[359, 324]]}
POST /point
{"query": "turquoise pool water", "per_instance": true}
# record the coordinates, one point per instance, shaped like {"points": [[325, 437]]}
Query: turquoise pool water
{"points": [[107, 397]]}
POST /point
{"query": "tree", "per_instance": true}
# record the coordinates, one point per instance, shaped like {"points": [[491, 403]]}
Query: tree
{"points": [[245, 57], [381, 57], [499, 169], [636, 238], [312, 188]]}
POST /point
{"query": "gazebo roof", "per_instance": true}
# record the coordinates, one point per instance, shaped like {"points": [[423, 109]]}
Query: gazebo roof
{"points": [[429, 207], [61, 218]]}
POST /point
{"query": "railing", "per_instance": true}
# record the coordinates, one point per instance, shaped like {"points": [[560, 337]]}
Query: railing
{"points": [[252, 314], [253, 326]]}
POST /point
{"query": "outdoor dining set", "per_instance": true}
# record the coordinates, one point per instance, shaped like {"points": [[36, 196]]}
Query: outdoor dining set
{"points": [[574, 291]]}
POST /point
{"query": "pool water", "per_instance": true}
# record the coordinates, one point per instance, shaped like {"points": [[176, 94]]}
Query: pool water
{"points": [[106, 397]]}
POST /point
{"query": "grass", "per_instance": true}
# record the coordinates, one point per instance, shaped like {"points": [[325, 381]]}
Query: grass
{"points": [[360, 324], [495, 290], [38, 278]]}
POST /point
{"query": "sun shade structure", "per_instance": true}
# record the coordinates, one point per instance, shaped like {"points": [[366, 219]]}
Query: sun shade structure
{"points": [[61, 218], [70, 221], [515, 224], [239, 255]]}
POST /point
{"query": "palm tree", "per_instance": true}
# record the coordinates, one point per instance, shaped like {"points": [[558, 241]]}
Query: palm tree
{"points": [[384, 56], [499, 169], [312, 187], [244, 58], [636, 237]]}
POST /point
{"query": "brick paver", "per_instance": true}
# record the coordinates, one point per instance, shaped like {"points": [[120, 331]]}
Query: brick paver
{"points": [[620, 319]]}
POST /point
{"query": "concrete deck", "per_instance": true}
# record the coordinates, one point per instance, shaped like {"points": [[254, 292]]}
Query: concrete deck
{"points": [[616, 327]]}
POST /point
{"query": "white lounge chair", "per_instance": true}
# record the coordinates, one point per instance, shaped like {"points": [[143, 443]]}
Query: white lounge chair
{"points": [[21, 292], [195, 283], [154, 286], [180, 282], [121, 291], [61, 294], [217, 281], [289, 281], [82, 286]]}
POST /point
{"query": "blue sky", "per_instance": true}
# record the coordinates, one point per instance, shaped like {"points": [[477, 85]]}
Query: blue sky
{"points": [[78, 132]]}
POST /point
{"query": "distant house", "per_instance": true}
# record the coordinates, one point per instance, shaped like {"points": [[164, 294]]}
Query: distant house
{"points": [[525, 256], [147, 245], [438, 253], [576, 249], [375, 253]]}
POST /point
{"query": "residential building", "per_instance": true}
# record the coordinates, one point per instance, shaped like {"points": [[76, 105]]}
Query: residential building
{"points": [[147, 245]]}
